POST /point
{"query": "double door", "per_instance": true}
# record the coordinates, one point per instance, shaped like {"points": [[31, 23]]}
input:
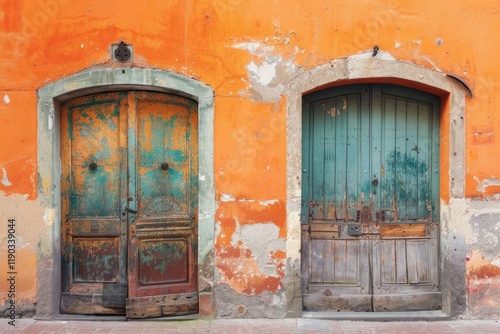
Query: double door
{"points": [[370, 200], [129, 204]]}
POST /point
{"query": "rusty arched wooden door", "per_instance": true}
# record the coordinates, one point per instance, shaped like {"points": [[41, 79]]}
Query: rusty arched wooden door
{"points": [[370, 199], [129, 204]]}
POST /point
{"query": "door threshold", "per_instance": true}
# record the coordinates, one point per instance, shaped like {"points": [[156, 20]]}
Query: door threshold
{"points": [[89, 317], [379, 316]]}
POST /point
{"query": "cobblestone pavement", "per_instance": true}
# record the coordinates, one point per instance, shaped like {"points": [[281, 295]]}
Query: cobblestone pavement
{"points": [[247, 326]]}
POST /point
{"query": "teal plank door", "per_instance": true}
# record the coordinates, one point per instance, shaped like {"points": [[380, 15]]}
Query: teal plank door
{"points": [[370, 199], [129, 204]]}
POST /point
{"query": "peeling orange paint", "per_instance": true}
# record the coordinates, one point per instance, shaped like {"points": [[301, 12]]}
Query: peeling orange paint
{"points": [[44, 41], [240, 270]]}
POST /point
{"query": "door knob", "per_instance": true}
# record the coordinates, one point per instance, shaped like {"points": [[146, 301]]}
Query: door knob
{"points": [[164, 166], [375, 181]]}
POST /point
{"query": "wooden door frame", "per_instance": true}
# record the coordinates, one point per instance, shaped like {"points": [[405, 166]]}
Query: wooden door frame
{"points": [[364, 68], [49, 167]]}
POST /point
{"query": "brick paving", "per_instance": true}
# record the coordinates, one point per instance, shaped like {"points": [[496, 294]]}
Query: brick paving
{"points": [[248, 326]]}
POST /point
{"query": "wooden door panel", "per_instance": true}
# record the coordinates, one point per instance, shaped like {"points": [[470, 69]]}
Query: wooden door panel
{"points": [[163, 244], [371, 168], [116, 194], [93, 192], [407, 266]]}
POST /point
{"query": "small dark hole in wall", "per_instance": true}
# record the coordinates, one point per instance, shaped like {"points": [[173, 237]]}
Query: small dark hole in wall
{"points": [[123, 71]]}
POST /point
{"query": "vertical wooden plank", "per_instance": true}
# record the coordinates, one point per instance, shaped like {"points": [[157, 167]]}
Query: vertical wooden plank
{"points": [[434, 258], [411, 158], [317, 261], [330, 116], [388, 175], [350, 104], [340, 256], [353, 261], [399, 159], [424, 162], [388, 262], [329, 253], [376, 146], [341, 162], [365, 147], [318, 161], [305, 264], [411, 262], [401, 271], [423, 270]]}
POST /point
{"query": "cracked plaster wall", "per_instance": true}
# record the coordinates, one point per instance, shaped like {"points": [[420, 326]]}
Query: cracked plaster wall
{"points": [[251, 58]]}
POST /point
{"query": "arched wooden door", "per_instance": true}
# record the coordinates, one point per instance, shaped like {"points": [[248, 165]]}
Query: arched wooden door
{"points": [[129, 204], [370, 199]]}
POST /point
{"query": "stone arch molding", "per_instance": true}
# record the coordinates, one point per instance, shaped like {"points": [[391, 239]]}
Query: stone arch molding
{"points": [[49, 164], [360, 68]]}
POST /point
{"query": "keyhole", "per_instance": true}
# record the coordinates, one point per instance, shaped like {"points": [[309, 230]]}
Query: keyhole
{"points": [[375, 181]]}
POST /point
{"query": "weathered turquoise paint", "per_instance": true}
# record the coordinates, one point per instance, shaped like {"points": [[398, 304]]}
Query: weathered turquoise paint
{"points": [[370, 146], [49, 162]]}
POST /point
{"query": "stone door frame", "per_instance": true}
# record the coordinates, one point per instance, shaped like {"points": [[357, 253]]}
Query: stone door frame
{"points": [[49, 168], [383, 68]]}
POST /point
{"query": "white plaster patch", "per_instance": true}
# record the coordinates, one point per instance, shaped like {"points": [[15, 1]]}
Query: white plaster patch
{"points": [[5, 180], [269, 73], [246, 200], [6, 99], [485, 183], [227, 198], [254, 48], [50, 122], [268, 202], [202, 177], [264, 73]]}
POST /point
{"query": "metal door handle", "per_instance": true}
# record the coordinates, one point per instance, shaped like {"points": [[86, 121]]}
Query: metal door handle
{"points": [[131, 210]]}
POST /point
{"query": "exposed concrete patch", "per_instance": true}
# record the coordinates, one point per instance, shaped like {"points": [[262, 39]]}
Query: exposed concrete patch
{"points": [[230, 304], [486, 228], [206, 269], [261, 239]]}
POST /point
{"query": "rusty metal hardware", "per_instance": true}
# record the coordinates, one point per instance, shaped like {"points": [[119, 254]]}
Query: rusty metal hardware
{"points": [[164, 166], [375, 181], [122, 52], [375, 50], [93, 166], [354, 229]]}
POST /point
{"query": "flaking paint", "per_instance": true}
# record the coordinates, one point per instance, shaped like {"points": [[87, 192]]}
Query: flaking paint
{"points": [[233, 45]]}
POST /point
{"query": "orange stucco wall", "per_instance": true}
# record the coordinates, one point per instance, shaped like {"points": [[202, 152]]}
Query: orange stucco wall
{"points": [[217, 42]]}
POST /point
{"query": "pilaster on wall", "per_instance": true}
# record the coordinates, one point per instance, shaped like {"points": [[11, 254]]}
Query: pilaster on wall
{"points": [[49, 166], [383, 68]]}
